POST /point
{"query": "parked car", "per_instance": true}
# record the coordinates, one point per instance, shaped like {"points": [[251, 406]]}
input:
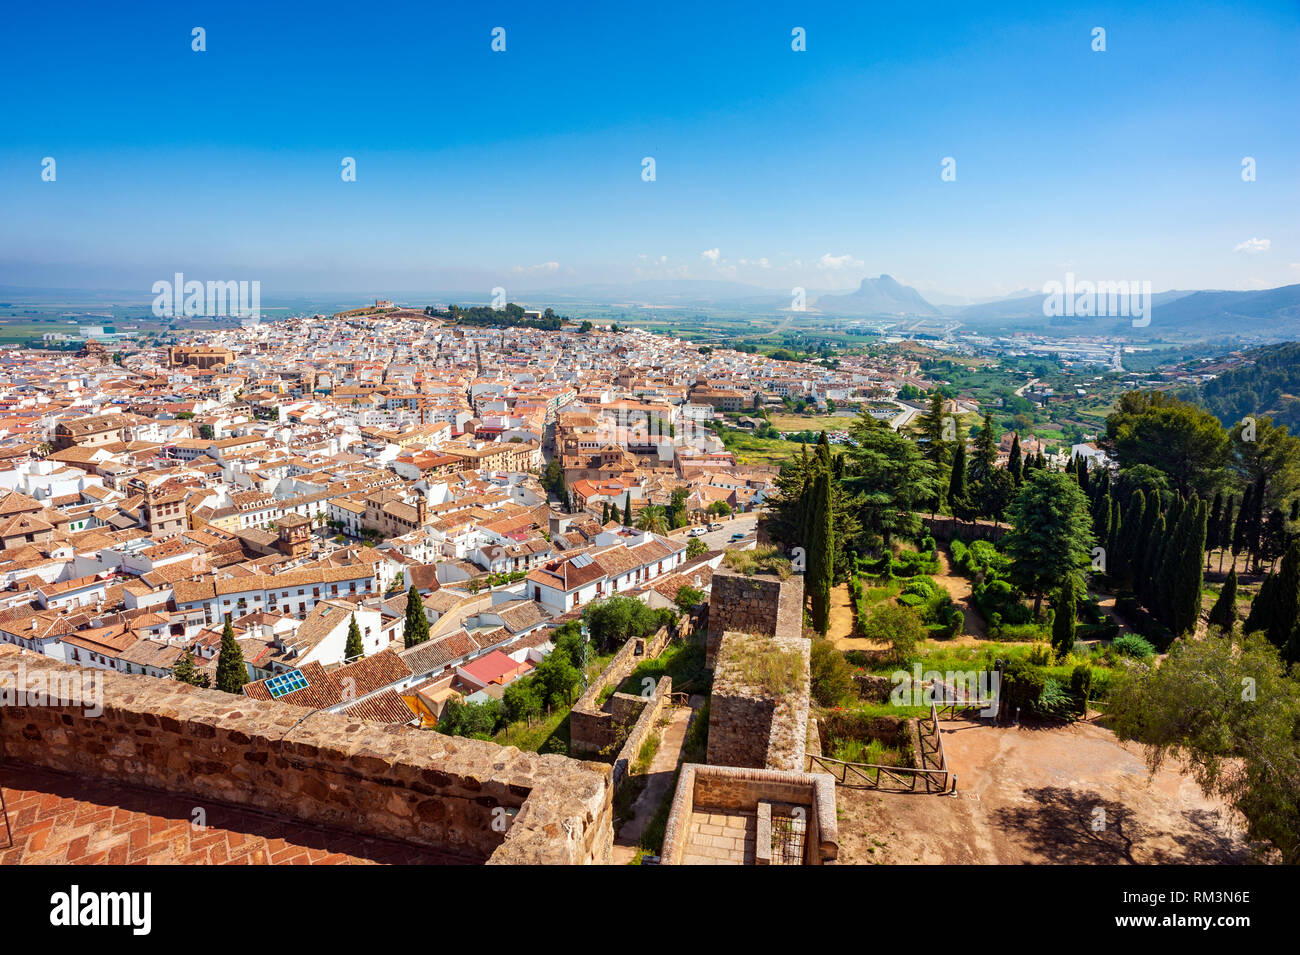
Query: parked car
{"points": [[715, 526], [697, 531], [738, 536]]}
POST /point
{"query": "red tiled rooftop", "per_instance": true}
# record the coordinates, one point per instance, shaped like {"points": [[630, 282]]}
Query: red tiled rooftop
{"points": [[57, 818]]}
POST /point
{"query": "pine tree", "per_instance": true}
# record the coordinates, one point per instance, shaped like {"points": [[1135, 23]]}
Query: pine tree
{"points": [[821, 552], [417, 624], [231, 673], [1014, 464], [186, 671], [354, 649], [1224, 613]]}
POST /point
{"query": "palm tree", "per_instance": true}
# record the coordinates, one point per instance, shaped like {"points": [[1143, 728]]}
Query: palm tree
{"points": [[653, 518]]}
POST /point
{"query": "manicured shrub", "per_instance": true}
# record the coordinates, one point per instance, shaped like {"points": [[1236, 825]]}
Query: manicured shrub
{"points": [[1131, 645]]}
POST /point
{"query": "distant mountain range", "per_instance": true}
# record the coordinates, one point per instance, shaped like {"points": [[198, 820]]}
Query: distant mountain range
{"points": [[1270, 313], [1262, 315], [879, 297]]}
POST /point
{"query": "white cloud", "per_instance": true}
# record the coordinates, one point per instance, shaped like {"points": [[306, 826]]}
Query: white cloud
{"points": [[830, 262], [540, 267], [711, 254], [1254, 246]]}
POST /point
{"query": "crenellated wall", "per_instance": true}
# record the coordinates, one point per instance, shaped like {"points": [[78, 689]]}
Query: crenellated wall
{"points": [[474, 800]]}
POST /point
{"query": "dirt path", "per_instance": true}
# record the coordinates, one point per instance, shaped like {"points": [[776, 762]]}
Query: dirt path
{"points": [[1064, 795], [840, 628], [672, 740], [959, 588]]}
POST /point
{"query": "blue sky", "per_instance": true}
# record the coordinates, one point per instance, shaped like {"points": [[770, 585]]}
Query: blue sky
{"points": [[773, 167]]}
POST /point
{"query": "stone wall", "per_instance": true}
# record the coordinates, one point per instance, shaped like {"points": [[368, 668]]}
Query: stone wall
{"points": [[762, 604], [595, 728], [730, 789], [642, 729], [751, 725], [471, 799]]}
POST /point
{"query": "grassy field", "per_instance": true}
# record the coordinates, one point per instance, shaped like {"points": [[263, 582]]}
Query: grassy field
{"points": [[751, 450], [798, 422]]}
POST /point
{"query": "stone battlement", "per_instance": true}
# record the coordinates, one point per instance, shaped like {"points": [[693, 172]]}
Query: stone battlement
{"points": [[472, 800]]}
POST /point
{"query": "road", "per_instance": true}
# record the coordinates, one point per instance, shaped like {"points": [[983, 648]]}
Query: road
{"points": [[721, 540]]}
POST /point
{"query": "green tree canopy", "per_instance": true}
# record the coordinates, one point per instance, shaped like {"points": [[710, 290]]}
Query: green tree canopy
{"points": [[1051, 536], [1227, 709], [1182, 441]]}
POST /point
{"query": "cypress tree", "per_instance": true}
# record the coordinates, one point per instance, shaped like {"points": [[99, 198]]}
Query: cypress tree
{"points": [[1114, 539], [354, 649], [957, 482], [417, 624], [1191, 575], [1171, 567], [1277, 607], [821, 552], [1100, 512], [1101, 526], [1261, 612], [231, 673], [804, 499], [1063, 621], [627, 510], [1224, 613], [984, 457], [604, 513], [1151, 561], [1130, 545], [1016, 468]]}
